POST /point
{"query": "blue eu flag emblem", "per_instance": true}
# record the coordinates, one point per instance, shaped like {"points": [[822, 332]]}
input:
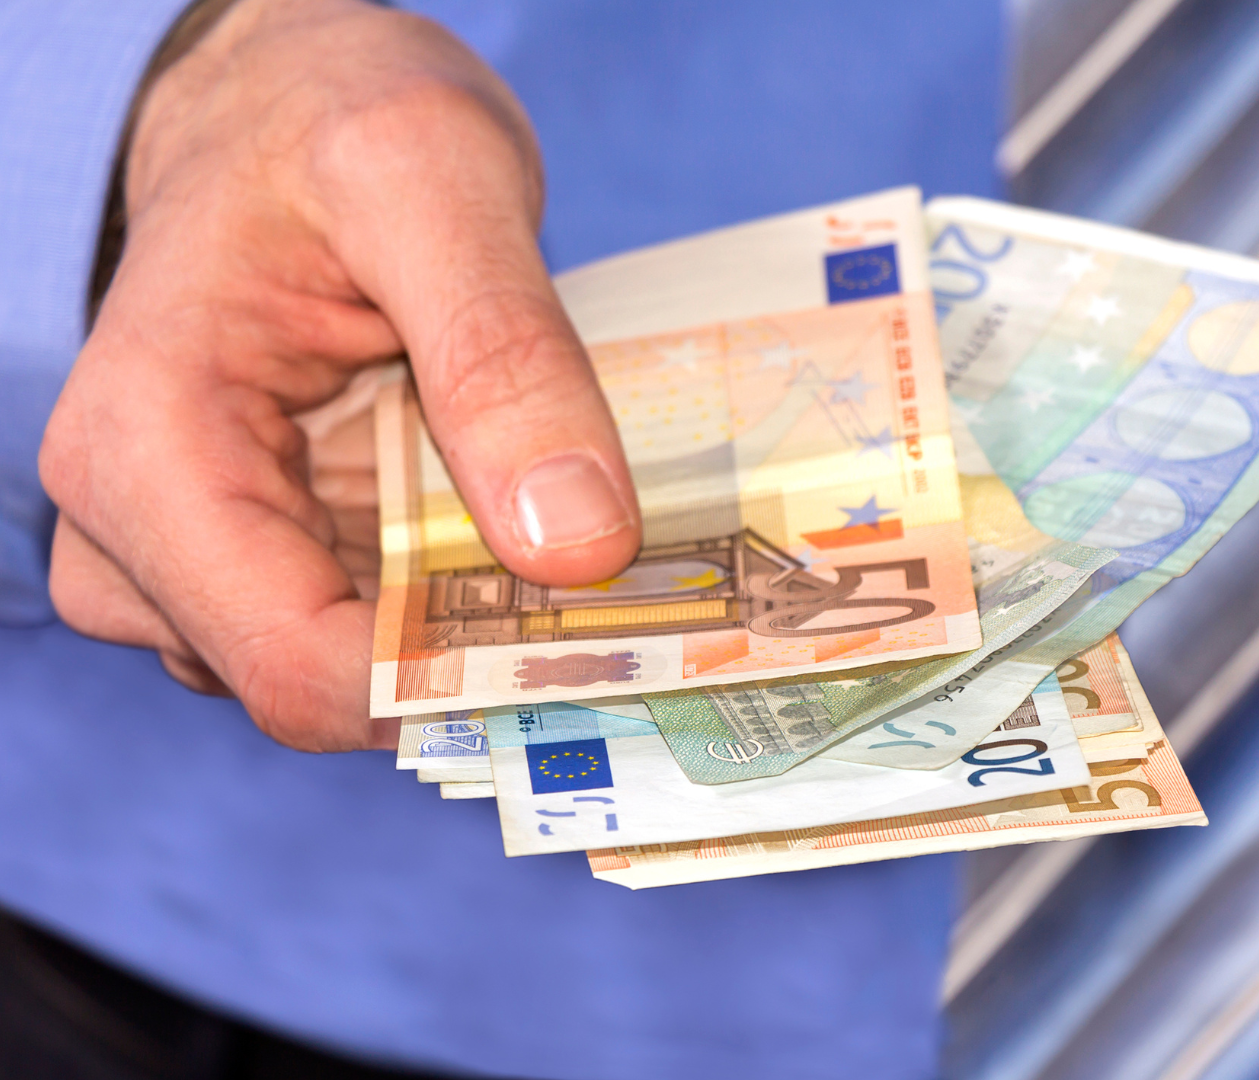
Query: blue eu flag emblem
{"points": [[860, 274], [568, 766]]}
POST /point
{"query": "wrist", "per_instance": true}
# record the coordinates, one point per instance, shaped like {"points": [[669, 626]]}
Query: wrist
{"points": [[193, 24], [194, 56]]}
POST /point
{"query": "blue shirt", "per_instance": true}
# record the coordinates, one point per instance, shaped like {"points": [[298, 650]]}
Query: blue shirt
{"points": [[333, 897]]}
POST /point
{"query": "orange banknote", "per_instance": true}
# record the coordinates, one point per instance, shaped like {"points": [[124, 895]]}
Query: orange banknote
{"points": [[794, 467]]}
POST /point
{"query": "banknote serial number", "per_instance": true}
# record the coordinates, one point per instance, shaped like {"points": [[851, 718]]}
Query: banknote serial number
{"points": [[951, 688]]}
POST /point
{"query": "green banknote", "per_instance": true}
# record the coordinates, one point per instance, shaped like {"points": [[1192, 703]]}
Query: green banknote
{"points": [[1112, 381]]}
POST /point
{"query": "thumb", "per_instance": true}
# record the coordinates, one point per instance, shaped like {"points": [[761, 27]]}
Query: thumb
{"points": [[508, 392]]}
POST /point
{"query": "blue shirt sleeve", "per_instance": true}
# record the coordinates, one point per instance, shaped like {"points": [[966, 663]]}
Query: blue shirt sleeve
{"points": [[68, 69]]}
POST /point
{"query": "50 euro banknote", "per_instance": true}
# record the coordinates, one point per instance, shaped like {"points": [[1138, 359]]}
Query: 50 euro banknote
{"points": [[1133, 784], [780, 397]]}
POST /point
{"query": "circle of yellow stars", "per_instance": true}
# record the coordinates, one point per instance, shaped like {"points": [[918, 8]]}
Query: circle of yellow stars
{"points": [[542, 765]]}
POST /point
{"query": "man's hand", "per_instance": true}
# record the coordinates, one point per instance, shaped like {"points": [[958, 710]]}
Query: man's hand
{"points": [[318, 185]]}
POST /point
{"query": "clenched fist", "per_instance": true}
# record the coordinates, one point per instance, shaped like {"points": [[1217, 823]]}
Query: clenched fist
{"points": [[316, 186]]}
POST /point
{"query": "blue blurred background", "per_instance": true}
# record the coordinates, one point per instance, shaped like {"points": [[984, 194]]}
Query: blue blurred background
{"points": [[1136, 957]]}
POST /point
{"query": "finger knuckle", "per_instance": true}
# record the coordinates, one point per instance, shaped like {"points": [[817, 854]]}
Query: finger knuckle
{"points": [[425, 117], [63, 463], [266, 677], [68, 598]]}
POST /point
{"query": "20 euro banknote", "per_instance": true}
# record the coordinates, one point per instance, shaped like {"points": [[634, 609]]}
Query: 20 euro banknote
{"points": [[781, 402], [567, 779]]}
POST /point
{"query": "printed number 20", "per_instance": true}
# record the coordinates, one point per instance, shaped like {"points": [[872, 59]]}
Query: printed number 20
{"points": [[1005, 764]]}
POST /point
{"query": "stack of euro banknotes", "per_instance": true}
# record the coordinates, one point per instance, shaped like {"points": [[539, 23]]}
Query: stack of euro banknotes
{"points": [[903, 473]]}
